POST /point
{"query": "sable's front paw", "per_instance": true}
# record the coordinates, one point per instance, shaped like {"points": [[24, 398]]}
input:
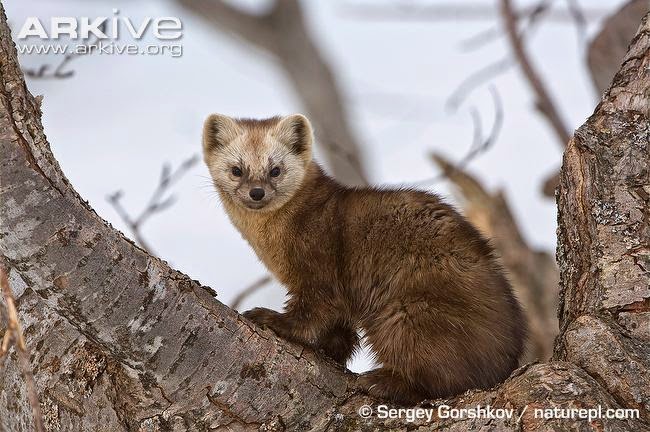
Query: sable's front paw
{"points": [[263, 317]]}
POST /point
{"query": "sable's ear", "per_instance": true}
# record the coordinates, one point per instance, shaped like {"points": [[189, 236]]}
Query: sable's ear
{"points": [[295, 132], [219, 130]]}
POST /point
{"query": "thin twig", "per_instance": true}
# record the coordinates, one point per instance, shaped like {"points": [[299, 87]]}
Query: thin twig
{"points": [[480, 39], [59, 73], [245, 293], [444, 11], [532, 16], [14, 332], [500, 66], [473, 81], [544, 102], [480, 143], [157, 202], [579, 19]]}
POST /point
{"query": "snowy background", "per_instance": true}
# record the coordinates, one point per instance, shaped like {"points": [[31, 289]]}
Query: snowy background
{"points": [[120, 118]]}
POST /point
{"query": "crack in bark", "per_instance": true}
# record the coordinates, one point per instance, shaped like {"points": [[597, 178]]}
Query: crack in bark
{"points": [[225, 409]]}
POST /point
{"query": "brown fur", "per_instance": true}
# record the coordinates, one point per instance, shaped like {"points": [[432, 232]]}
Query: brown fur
{"points": [[406, 268]]}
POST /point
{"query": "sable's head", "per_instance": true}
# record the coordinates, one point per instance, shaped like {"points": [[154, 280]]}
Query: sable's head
{"points": [[258, 164]]}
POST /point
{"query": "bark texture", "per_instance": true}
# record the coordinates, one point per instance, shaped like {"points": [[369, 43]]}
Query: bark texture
{"points": [[120, 341], [604, 236]]}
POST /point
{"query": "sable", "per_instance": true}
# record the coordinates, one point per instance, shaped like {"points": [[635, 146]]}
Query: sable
{"points": [[406, 268]]}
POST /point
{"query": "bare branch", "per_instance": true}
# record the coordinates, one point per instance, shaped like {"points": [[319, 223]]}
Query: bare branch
{"points": [[481, 38], [255, 29], [476, 79], [480, 143], [157, 203], [14, 332], [544, 102], [451, 11], [579, 19], [253, 288], [59, 70], [500, 66], [175, 358], [281, 31]]}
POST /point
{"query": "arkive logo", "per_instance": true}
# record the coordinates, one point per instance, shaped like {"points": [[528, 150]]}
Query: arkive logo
{"points": [[102, 28]]}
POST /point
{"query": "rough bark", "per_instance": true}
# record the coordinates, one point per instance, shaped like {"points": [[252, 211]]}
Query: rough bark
{"points": [[120, 341], [604, 236]]}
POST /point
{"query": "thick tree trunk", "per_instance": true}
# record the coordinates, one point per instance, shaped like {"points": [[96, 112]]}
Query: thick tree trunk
{"points": [[604, 236], [120, 341]]}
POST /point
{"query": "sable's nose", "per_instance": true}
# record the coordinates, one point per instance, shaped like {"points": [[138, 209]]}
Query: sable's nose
{"points": [[256, 193]]}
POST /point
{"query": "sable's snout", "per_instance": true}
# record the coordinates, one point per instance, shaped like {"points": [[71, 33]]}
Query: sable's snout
{"points": [[256, 193]]}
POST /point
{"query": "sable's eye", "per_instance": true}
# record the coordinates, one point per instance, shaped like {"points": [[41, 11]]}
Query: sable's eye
{"points": [[236, 171], [275, 172]]}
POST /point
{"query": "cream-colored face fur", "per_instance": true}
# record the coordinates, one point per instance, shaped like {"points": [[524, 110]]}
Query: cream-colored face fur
{"points": [[257, 164]]}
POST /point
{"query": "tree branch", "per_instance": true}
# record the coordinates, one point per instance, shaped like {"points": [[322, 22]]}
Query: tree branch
{"points": [[282, 32], [140, 346], [603, 235], [157, 202], [59, 70], [490, 71], [447, 11], [250, 290], [544, 102], [480, 143]]}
